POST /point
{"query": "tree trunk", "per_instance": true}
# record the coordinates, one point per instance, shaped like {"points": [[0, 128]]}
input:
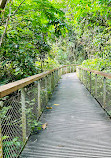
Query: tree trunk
{"points": [[3, 3]]}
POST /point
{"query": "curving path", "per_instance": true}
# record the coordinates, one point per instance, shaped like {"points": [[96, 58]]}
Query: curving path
{"points": [[77, 128]]}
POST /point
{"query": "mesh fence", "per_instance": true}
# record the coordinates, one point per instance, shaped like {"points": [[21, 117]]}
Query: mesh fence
{"points": [[11, 125], [69, 69], [108, 96], [98, 86], [22, 109]]}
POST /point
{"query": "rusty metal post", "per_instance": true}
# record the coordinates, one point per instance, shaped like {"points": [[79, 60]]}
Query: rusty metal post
{"points": [[1, 149], [95, 85], [104, 92], [23, 115], [39, 98]]}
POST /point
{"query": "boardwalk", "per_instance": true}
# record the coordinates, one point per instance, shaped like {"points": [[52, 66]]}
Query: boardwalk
{"points": [[77, 128]]}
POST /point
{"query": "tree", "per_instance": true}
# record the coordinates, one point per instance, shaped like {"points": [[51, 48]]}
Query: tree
{"points": [[3, 3], [27, 37]]}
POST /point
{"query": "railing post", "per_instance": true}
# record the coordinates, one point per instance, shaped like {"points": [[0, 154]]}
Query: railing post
{"points": [[23, 115], [95, 85], [39, 98], [46, 89], [104, 92], [1, 150], [90, 82]]}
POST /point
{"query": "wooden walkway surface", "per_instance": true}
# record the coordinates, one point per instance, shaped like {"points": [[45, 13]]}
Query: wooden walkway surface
{"points": [[77, 127]]}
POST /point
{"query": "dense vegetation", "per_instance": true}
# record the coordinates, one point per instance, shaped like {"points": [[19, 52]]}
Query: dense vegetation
{"points": [[42, 34]]}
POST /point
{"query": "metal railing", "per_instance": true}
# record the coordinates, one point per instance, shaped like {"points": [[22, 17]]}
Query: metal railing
{"points": [[21, 105], [99, 85]]}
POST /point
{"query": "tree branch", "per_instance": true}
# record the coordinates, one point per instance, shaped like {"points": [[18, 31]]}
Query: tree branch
{"points": [[10, 15], [17, 8], [1, 40]]}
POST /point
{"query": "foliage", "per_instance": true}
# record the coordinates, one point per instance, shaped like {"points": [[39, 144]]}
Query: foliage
{"points": [[27, 38], [89, 23], [42, 34], [98, 64], [10, 146]]}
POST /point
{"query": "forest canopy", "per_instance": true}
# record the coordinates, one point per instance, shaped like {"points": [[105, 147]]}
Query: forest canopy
{"points": [[37, 35]]}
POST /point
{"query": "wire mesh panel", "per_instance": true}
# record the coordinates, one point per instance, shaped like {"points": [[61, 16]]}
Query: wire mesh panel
{"points": [[11, 125], [43, 93], [93, 84], [22, 109], [88, 80], [73, 68], [108, 96], [98, 85], [31, 103], [69, 69], [64, 70], [49, 88], [52, 81], [100, 89]]}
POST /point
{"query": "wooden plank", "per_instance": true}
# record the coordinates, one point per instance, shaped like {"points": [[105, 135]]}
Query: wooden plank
{"points": [[11, 87]]}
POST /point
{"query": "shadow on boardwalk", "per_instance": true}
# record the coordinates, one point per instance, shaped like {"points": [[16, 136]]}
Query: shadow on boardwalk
{"points": [[77, 128]]}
